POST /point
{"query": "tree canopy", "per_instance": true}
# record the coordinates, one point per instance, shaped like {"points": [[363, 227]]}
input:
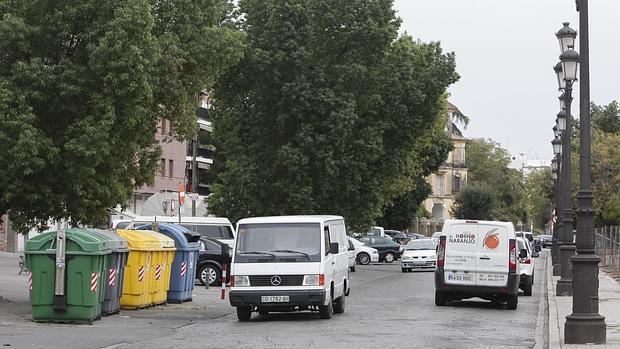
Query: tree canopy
{"points": [[82, 87], [326, 111], [488, 166]]}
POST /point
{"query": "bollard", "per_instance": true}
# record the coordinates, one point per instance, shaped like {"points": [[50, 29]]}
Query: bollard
{"points": [[223, 295]]}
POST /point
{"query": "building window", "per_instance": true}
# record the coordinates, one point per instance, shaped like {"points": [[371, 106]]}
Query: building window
{"points": [[439, 184], [163, 126], [456, 183], [170, 168], [162, 167], [458, 156]]}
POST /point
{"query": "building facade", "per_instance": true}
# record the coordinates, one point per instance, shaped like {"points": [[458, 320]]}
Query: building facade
{"points": [[451, 176]]}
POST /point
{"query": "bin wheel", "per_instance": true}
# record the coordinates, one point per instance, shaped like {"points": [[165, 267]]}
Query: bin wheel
{"points": [[244, 313], [211, 273]]}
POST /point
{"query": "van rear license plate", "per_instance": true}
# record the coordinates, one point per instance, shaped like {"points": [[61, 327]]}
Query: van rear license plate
{"points": [[274, 299]]}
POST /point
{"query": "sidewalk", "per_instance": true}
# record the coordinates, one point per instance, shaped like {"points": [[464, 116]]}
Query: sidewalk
{"points": [[560, 307]]}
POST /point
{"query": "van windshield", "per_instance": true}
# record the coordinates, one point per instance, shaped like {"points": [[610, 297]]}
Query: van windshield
{"points": [[278, 242]]}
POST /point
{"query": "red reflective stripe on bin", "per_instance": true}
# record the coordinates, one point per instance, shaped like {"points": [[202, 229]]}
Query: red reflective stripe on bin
{"points": [[30, 280], [183, 268], [141, 273], [157, 272], [112, 276], [94, 280]]}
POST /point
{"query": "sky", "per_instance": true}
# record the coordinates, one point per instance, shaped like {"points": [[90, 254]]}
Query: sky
{"points": [[505, 52]]}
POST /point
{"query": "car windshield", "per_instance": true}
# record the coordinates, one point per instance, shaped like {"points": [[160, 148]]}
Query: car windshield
{"points": [[278, 242], [421, 245]]}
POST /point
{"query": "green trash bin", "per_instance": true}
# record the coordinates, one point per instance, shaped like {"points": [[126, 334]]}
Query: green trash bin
{"points": [[66, 275]]}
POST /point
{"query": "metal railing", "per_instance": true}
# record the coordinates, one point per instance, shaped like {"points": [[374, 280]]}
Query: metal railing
{"points": [[608, 247]]}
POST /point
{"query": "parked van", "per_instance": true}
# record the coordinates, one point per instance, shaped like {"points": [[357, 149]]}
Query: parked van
{"points": [[477, 259], [218, 228], [290, 263]]}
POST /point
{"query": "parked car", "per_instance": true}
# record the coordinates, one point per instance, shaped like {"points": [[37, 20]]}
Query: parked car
{"points": [[537, 245], [546, 240], [351, 255], [436, 236], [477, 259], [389, 251], [364, 254], [218, 228], [415, 236], [213, 255], [397, 236], [290, 263], [419, 254], [526, 266]]}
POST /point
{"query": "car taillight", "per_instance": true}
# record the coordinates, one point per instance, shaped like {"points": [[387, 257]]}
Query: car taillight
{"points": [[441, 252], [527, 261], [512, 251]]}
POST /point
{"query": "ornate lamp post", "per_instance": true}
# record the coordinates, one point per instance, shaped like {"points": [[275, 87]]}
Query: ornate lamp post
{"points": [[555, 251], [566, 72], [585, 324]]}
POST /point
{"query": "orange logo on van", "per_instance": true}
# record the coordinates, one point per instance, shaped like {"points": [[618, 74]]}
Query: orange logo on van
{"points": [[491, 239]]}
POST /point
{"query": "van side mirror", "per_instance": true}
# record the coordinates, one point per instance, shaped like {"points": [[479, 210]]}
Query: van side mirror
{"points": [[334, 248], [523, 253]]}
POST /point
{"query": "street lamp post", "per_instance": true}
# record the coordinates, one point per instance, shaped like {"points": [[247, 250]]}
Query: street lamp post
{"points": [[555, 252], [566, 72], [585, 324]]}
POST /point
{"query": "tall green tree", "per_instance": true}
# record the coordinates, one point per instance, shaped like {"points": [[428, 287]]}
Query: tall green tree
{"points": [[488, 165], [476, 201], [324, 112], [606, 118], [539, 188], [82, 87]]}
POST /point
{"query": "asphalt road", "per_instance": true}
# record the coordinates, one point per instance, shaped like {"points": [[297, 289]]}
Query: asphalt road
{"points": [[386, 309]]}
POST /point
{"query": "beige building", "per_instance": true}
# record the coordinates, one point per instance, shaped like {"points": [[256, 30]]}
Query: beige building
{"points": [[449, 178]]}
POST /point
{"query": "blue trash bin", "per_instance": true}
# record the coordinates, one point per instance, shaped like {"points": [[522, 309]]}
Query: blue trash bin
{"points": [[183, 272], [114, 270]]}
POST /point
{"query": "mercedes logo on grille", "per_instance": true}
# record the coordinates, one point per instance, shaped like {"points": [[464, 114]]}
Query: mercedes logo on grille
{"points": [[276, 280]]}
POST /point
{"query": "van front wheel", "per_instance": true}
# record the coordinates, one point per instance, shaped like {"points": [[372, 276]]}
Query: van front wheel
{"points": [[244, 313], [326, 311]]}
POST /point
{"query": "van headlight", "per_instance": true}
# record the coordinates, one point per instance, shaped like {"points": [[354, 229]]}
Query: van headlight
{"points": [[241, 280], [313, 280]]}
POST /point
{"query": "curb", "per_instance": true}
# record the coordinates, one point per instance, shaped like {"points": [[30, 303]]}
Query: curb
{"points": [[554, 323], [541, 335]]}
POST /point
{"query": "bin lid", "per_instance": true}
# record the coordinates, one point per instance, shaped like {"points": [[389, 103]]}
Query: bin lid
{"points": [[79, 242], [165, 243], [138, 241], [115, 242], [176, 233]]}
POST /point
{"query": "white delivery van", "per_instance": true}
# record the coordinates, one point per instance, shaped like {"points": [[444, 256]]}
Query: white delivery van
{"points": [[477, 259], [218, 228], [290, 263]]}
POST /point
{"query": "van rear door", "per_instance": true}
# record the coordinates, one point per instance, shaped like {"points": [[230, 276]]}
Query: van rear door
{"points": [[461, 254], [493, 255]]}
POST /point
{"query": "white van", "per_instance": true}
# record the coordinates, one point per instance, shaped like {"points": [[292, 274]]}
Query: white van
{"points": [[290, 263], [218, 228], [477, 259]]}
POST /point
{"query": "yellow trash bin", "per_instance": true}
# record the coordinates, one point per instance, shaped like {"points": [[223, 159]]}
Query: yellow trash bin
{"points": [[137, 281], [162, 265]]}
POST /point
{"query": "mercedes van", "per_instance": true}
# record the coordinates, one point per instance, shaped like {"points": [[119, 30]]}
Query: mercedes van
{"points": [[290, 263], [477, 259]]}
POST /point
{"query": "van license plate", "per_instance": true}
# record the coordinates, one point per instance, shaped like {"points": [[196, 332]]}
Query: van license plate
{"points": [[274, 299]]}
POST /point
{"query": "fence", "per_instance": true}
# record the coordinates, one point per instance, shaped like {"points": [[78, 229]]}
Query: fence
{"points": [[608, 247]]}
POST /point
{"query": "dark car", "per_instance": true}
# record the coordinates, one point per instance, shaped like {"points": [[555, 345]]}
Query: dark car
{"points": [[389, 251], [415, 236], [398, 236], [545, 240], [213, 255]]}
